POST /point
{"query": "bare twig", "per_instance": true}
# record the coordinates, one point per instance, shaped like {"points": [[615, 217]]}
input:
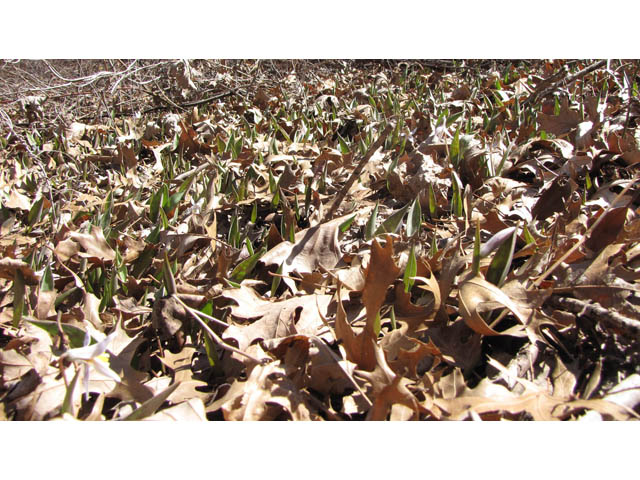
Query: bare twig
{"points": [[567, 81], [358, 170], [210, 99], [627, 326], [159, 94]]}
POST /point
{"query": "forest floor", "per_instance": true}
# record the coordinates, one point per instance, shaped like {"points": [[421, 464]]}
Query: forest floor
{"points": [[319, 240]]}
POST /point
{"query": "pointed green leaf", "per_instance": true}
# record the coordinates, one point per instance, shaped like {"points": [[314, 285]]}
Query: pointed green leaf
{"points": [[275, 283], [164, 221], [46, 283], [165, 196], [276, 199], [456, 200], [370, 228], [234, 232], [344, 148], [377, 324], [73, 333], [174, 201], [501, 262], [454, 150], [432, 202], [453, 118], [167, 276], [391, 224], [344, 226], [414, 219], [221, 145], [154, 205], [476, 251], [249, 246], [18, 297], [434, 246], [410, 271], [254, 212], [527, 236], [35, 213], [246, 266]]}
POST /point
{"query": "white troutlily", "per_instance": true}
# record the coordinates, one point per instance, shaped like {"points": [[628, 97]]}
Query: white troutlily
{"points": [[88, 356]]}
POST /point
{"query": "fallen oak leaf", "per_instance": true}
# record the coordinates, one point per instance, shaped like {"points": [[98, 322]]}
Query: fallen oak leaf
{"points": [[404, 353], [180, 363], [379, 274], [314, 247], [388, 389], [94, 244], [460, 345], [255, 399], [275, 319], [564, 122], [324, 372], [359, 347], [475, 292]]}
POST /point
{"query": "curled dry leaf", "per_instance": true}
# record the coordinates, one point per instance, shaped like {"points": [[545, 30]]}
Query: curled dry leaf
{"points": [[474, 293], [388, 389], [359, 347]]}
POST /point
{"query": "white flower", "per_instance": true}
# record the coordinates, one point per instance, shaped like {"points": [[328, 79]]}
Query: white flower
{"points": [[88, 356]]}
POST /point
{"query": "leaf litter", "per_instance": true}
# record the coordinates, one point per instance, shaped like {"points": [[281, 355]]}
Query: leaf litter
{"points": [[319, 240]]}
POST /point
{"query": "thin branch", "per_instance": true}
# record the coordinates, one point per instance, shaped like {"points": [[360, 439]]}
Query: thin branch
{"points": [[567, 81], [627, 326], [358, 170]]}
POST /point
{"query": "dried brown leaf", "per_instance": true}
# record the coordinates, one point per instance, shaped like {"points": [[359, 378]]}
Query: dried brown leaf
{"points": [[266, 393], [475, 292], [359, 347], [180, 363], [9, 266], [94, 244], [379, 274], [314, 247], [274, 318], [564, 122]]}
